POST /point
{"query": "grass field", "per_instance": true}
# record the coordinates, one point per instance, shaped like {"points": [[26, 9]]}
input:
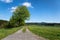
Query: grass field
{"points": [[6, 32], [49, 32]]}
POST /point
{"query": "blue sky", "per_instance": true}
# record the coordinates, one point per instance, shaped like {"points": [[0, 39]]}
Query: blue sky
{"points": [[40, 10]]}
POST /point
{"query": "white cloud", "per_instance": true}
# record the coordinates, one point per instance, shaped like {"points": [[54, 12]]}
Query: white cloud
{"points": [[13, 8], [7, 1], [27, 4]]}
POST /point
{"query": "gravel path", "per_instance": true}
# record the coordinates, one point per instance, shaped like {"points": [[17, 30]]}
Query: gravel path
{"points": [[23, 36]]}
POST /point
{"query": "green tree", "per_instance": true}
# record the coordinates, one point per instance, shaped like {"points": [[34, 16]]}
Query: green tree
{"points": [[19, 16]]}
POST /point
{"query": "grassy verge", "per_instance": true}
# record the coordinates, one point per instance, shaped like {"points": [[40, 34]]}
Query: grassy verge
{"points": [[52, 33], [6, 32]]}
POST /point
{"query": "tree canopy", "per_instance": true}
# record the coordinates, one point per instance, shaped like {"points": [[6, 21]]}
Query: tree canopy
{"points": [[20, 15]]}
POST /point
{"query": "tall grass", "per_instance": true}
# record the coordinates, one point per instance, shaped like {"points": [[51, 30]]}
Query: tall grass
{"points": [[52, 33], [6, 32]]}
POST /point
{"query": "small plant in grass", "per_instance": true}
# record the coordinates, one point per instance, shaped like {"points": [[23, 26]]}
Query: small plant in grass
{"points": [[24, 29]]}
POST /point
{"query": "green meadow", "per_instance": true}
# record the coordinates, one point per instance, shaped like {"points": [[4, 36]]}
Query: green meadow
{"points": [[49, 32]]}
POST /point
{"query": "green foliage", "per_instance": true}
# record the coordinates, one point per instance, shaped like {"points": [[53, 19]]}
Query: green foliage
{"points": [[19, 16], [51, 33], [9, 25]]}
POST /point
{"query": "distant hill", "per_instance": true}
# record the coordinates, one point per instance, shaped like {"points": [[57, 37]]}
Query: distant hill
{"points": [[43, 23], [2, 22]]}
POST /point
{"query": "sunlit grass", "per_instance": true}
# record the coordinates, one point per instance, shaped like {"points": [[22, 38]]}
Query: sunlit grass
{"points": [[52, 33], [6, 32]]}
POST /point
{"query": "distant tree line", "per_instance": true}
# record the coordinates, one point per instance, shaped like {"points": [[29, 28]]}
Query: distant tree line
{"points": [[45, 24]]}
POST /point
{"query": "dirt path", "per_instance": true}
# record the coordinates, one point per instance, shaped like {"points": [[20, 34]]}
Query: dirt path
{"points": [[23, 36]]}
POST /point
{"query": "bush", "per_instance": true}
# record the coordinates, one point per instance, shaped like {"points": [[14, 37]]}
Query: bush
{"points": [[8, 25]]}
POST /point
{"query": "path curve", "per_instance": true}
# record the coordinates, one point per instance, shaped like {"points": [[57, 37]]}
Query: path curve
{"points": [[23, 36]]}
